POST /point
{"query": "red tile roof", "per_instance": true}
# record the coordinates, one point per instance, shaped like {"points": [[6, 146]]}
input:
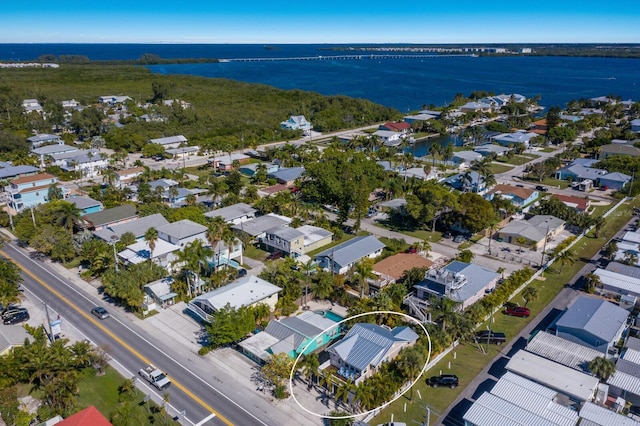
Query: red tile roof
{"points": [[32, 178], [90, 416], [581, 204], [397, 127], [522, 193]]}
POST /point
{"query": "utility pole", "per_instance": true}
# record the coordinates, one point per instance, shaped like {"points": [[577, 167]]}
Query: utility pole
{"points": [[544, 248], [114, 240], [46, 310]]}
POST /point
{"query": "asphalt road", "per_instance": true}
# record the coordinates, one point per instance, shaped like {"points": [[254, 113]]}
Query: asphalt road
{"points": [[192, 392]]}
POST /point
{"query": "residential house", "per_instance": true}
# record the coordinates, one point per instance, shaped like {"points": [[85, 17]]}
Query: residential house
{"points": [[182, 152], [168, 186], [12, 336], [469, 181], [366, 347], [32, 105], [395, 204], [110, 217], [562, 351], [296, 122], [518, 196], [30, 191], [182, 232], [490, 148], [388, 137], [601, 415], [515, 400], [286, 175], [127, 176], [534, 231], [258, 227], [628, 252], [635, 125], [465, 283], [82, 163], [607, 151], [86, 205], [45, 153], [391, 269], [113, 100], [246, 291], [615, 180], [519, 137], [90, 416], [580, 204], [44, 139], [344, 256], [9, 172], [301, 334], [314, 237], [138, 227], [625, 381], [592, 322], [163, 254], [539, 126], [578, 172], [419, 173], [570, 118], [159, 294], [615, 283], [170, 141], [225, 163], [421, 116], [479, 107], [575, 385], [398, 127], [285, 240], [464, 159], [70, 104], [234, 214]]}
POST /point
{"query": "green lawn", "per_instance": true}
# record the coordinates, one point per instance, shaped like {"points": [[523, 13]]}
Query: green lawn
{"points": [[253, 252], [470, 359], [421, 234], [517, 160], [102, 392], [499, 168], [549, 149], [198, 171]]}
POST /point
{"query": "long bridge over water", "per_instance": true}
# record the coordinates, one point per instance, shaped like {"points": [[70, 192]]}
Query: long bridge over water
{"points": [[346, 57]]}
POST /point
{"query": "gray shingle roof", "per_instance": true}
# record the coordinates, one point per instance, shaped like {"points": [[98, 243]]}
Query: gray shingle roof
{"points": [[232, 212], [286, 233], [259, 225], [287, 174], [12, 171], [137, 227], [114, 214], [84, 202], [182, 229], [352, 250], [596, 316]]}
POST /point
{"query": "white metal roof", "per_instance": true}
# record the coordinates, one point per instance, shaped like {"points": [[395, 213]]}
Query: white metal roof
{"points": [[244, 291], [561, 350], [604, 417], [140, 252], [556, 376], [618, 281], [534, 398], [490, 410]]}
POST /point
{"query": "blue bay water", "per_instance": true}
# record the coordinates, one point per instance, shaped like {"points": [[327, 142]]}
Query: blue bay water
{"points": [[404, 84]]}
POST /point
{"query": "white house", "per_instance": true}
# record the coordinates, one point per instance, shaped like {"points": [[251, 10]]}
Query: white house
{"points": [[169, 141], [296, 122]]}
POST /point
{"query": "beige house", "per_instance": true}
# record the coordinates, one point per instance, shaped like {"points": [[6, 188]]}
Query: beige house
{"points": [[296, 241], [532, 232]]}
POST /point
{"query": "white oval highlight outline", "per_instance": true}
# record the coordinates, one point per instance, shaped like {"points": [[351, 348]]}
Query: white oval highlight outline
{"points": [[352, 416]]}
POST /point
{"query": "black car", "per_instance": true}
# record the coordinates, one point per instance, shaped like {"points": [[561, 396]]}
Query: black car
{"points": [[450, 380], [16, 317], [11, 310], [541, 188], [493, 337]]}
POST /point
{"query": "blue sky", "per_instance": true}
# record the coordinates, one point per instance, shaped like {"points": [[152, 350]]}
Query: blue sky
{"points": [[324, 21]]}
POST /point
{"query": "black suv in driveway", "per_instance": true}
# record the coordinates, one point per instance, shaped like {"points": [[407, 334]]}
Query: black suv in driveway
{"points": [[16, 317], [449, 380], [494, 337]]}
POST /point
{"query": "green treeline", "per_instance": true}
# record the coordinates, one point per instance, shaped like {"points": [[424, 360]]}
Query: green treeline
{"points": [[224, 113]]}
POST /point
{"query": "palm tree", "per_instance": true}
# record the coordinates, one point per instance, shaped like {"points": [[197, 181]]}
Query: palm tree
{"points": [[363, 270], [445, 311], [411, 363], [10, 279], [214, 234], [68, 215], [173, 194], [324, 285], [110, 176], [308, 268], [598, 223], [326, 381], [567, 257], [592, 281], [610, 250], [529, 294], [602, 367], [151, 236], [310, 365]]}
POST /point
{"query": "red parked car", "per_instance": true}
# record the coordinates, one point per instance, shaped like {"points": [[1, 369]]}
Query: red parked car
{"points": [[518, 311]]}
